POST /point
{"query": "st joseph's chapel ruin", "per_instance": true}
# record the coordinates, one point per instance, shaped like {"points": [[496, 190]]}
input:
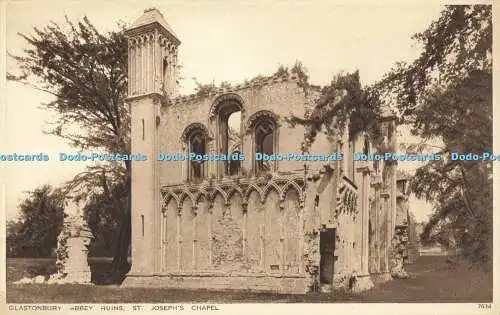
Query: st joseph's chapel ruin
{"points": [[284, 226]]}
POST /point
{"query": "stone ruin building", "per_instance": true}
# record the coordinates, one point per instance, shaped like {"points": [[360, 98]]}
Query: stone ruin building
{"points": [[283, 226]]}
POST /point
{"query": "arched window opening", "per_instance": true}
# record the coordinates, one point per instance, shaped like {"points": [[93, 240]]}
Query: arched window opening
{"points": [[265, 139], [229, 136], [197, 146]]}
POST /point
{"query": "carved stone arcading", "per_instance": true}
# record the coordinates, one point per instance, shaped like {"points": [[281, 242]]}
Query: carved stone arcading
{"points": [[140, 40], [244, 187], [153, 29]]}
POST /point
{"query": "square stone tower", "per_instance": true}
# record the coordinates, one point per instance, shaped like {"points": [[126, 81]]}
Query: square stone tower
{"points": [[152, 60]]}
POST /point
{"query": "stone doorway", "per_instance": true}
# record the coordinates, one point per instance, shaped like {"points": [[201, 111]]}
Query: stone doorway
{"points": [[327, 259]]}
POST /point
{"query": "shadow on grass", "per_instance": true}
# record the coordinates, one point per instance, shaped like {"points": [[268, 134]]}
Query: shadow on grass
{"points": [[433, 280], [101, 274]]}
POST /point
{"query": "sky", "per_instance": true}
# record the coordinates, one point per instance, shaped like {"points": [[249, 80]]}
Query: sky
{"points": [[221, 41]]}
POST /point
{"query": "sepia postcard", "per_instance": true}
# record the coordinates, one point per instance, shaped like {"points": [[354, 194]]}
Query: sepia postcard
{"points": [[248, 156]]}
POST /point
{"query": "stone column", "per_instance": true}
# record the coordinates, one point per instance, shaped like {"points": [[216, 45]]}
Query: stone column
{"points": [[282, 235], [333, 165], [179, 238], [392, 190], [262, 247], [211, 165], [385, 274], [131, 66], [376, 224], [210, 234], [163, 239], [262, 241], [244, 229], [195, 237], [185, 164], [301, 235], [364, 281]]}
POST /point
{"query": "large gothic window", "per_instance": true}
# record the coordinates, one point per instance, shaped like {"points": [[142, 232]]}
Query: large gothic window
{"points": [[197, 146], [265, 139], [225, 117], [229, 139]]}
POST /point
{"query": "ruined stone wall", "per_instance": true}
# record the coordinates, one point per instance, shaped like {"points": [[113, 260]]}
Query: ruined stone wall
{"points": [[375, 228], [383, 216], [347, 246], [281, 95], [245, 228], [402, 224], [250, 227], [357, 254], [249, 230], [400, 243]]}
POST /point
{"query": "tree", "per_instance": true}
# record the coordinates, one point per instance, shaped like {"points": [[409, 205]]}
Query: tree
{"points": [[35, 233], [343, 103], [85, 71], [446, 94], [103, 217]]}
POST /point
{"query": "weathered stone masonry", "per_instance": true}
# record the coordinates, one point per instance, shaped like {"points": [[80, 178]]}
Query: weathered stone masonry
{"points": [[286, 226]]}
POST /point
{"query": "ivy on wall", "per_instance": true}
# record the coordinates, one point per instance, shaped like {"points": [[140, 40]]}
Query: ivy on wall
{"points": [[398, 252], [62, 248], [312, 260], [344, 102]]}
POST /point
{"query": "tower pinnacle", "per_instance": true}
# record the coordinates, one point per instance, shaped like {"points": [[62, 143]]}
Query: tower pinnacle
{"points": [[153, 48], [151, 17]]}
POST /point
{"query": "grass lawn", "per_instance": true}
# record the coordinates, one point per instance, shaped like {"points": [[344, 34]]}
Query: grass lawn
{"points": [[432, 280]]}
